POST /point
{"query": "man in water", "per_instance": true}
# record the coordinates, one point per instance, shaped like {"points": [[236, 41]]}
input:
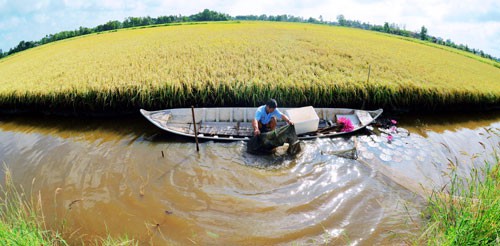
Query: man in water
{"points": [[265, 117]]}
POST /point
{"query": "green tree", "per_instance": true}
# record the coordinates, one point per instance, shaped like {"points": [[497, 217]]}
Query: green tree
{"points": [[387, 29], [84, 30], [110, 25], [208, 15], [341, 20], [312, 20], [423, 33]]}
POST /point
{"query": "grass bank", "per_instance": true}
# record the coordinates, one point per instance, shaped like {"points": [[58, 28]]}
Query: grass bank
{"points": [[22, 221], [130, 99], [243, 64], [469, 214]]}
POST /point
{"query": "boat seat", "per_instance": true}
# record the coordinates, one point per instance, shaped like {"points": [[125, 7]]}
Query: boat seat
{"points": [[241, 129], [364, 117]]}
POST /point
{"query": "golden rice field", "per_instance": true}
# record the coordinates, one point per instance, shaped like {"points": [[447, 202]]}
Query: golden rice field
{"points": [[243, 64]]}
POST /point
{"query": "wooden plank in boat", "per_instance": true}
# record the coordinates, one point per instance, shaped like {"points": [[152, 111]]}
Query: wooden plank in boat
{"points": [[242, 129], [245, 129], [160, 116], [218, 128], [364, 117], [184, 128]]}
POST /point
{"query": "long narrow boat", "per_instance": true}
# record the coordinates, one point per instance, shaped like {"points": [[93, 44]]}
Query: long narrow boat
{"points": [[234, 124]]}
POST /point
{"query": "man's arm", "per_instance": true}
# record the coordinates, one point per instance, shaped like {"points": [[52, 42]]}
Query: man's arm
{"points": [[285, 118], [255, 125]]}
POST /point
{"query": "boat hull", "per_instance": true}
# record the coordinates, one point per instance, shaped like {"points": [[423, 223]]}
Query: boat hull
{"points": [[235, 124]]}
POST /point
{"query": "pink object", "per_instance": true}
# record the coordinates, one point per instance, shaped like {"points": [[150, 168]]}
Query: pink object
{"points": [[346, 124], [394, 122], [389, 138], [393, 129]]}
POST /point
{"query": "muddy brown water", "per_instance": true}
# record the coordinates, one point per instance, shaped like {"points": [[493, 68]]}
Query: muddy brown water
{"points": [[126, 177]]}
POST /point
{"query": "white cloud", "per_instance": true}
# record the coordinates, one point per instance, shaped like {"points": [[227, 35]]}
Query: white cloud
{"points": [[483, 36], [77, 4], [10, 22], [41, 18]]}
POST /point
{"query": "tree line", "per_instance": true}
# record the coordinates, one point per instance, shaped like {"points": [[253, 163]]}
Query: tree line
{"points": [[422, 35], [209, 15], [205, 15]]}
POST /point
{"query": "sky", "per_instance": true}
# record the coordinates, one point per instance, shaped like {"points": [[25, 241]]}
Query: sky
{"points": [[470, 22]]}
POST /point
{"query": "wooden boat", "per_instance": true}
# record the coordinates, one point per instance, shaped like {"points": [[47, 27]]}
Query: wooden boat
{"points": [[234, 124]]}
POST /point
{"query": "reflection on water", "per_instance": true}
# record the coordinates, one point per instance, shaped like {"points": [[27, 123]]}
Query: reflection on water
{"points": [[127, 177], [442, 122]]}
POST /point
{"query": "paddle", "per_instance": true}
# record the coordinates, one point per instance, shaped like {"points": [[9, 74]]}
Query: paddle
{"points": [[195, 130]]}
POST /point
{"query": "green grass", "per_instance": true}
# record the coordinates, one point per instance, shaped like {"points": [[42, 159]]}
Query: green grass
{"points": [[111, 241], [469, 214], [22, 221], [21, 218]]}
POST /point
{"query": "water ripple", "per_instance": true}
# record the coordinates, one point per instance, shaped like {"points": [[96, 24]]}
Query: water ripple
{"points": [[223, 195]]}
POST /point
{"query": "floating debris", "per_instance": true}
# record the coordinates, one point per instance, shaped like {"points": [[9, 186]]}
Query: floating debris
{"points": [[70, 206]]}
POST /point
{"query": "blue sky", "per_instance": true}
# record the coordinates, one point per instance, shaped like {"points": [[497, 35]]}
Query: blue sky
{"points": [[475, 23]]}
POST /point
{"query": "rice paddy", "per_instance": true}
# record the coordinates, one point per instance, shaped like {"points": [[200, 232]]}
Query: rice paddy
{"points": [[243, 64]]}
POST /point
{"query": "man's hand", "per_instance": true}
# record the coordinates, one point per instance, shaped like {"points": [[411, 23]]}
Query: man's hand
{"points": [[255, 125], [286, 119]]}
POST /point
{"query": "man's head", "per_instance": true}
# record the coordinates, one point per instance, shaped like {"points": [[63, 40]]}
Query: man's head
{"points": [[271, 105]]}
